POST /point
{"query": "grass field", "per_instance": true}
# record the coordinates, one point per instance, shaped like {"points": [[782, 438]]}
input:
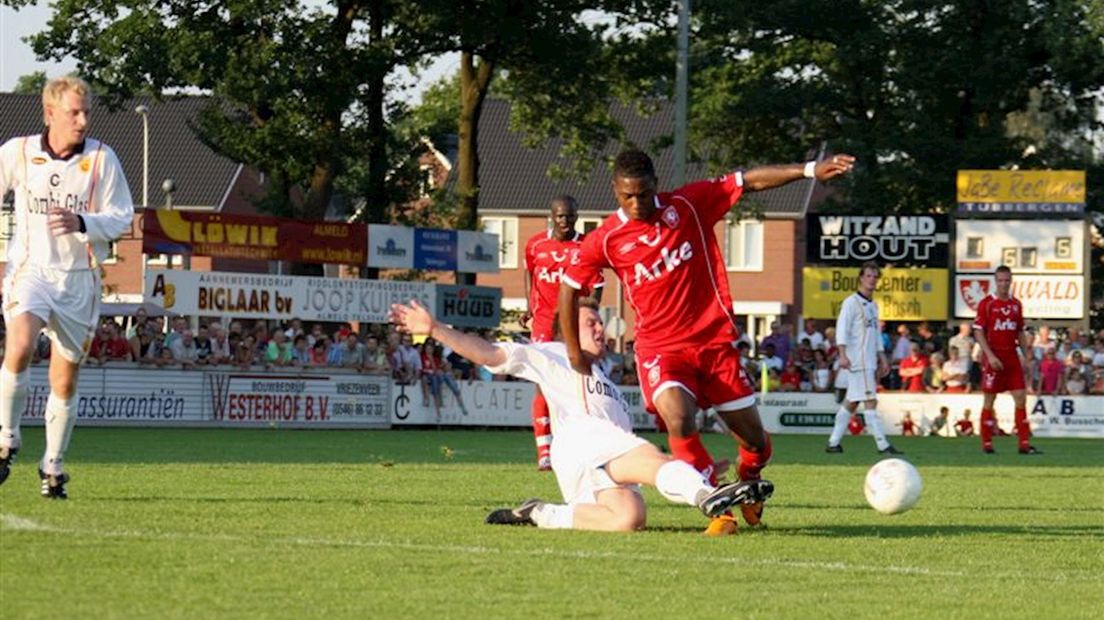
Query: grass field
{"points": [[388, 524]]}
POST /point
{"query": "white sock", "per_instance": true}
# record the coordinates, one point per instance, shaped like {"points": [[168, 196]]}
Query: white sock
{"points": [[13, 400], [874, 425], [61, 415], [843, 416], [554, 516], [679, 482]]}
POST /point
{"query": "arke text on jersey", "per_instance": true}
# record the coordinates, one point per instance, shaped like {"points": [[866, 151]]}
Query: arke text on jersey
{"points": [[667, 262]]}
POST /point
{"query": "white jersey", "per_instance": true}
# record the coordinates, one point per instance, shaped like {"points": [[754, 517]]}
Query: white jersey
{"points": [[591, 425], [857, 329], [570, 395], [89, 183]]}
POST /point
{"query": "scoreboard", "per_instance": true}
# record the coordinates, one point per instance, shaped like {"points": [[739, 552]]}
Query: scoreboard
{"points": [[1024, 246], [1047, 259]]}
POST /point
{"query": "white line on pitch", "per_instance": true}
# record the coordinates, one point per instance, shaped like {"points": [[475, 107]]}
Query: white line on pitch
{"points": [[16, 523]]}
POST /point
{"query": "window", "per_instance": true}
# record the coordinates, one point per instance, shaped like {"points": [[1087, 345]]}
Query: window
{"points": [[507, 230], [586, 224], [426, 180], [743, 245], [112, 253]]}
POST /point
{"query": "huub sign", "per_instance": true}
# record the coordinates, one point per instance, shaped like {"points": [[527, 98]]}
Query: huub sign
{"points": [[920, 240]]}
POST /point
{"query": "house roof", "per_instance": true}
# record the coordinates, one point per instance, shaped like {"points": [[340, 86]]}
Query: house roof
{"points": [[514, 179], [203, 178]]}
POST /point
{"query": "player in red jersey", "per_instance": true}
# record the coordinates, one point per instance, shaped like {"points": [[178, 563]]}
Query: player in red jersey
{"points": [[964, 427], [999, 330], [547, 254], [662, 247]]}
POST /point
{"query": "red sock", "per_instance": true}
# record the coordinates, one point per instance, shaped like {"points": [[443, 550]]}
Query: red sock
{"points": [[988, 421], [691, 450], [542, 426], [752, 463], [1023, 428]]}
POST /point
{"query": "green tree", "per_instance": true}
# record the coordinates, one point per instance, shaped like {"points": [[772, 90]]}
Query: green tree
{"points": [[297, 92], [30, 84], [916, 89], [557, 82]]}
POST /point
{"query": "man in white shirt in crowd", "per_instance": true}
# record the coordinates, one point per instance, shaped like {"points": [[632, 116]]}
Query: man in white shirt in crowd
{"points": [[770, 359], [956, 371], [815, 338]]}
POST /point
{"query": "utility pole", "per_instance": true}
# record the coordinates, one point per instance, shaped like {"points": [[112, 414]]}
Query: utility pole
{"points": [[681, 85]]}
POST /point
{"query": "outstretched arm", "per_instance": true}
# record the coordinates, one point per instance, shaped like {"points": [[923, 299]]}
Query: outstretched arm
{"points": [[767, 177], [413, 318]]}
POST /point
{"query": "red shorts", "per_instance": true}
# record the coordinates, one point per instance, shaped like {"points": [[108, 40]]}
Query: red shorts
{"points": [[542, 329], [1008, 379], [711, 374]]}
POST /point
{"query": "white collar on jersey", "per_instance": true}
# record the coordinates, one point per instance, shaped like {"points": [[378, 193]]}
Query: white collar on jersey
{"points": [[549, 235], [624, 217]]}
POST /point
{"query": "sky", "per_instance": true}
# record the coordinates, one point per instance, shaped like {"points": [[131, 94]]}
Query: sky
{"points": [[18, 59]]}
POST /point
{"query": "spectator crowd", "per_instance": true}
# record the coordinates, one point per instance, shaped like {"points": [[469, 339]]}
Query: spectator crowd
{"points": [[922, 358]]}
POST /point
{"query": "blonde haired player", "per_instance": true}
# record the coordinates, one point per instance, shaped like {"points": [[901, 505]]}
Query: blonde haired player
{"points": [[861, 357], [71, 201], [596, 458]]}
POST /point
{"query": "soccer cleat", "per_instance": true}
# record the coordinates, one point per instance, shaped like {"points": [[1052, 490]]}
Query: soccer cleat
{"points": [[830, 449], [890, 450], [7, 457], [1030, 450], [522, 515], [752, 513], [988, 450], [716, 502], [544, 463], [724, 525], [53, 486]]}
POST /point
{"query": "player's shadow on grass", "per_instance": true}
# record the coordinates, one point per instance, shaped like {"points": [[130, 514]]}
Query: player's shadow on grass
{"points": [[857, 507], [948, 530], [478, 505]]}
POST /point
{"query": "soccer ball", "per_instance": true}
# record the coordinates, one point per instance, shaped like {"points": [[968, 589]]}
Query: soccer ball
{"points": [[892, 486]]}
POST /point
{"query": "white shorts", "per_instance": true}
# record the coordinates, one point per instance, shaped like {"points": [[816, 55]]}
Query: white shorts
{"points": [[581, 448], [68, 301], [861, 385]]}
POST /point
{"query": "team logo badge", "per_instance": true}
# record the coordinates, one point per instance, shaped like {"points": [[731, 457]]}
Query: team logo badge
{"points": [[85, 165], [973, 290], [38, 161], [671, 217], [652, 366], [651, 242], [558, 257]]}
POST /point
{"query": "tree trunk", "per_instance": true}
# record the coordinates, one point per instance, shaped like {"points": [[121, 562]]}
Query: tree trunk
{"points": [[376, 191], [474, 83]]}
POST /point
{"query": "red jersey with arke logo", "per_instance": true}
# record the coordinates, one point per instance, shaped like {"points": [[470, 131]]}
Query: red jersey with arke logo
{"points": [[546, 258], [670, 264], [1001, 320]]}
